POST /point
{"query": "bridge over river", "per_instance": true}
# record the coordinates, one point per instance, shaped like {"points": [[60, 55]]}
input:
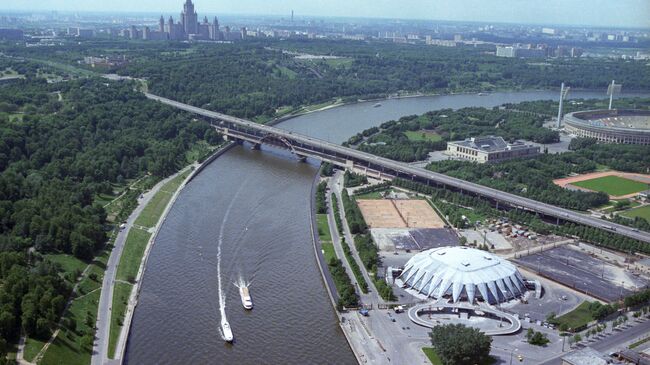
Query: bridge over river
{"points": [[383, 168]]}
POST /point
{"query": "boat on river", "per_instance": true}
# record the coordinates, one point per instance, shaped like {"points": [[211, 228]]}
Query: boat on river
{"points": [[227, 332], [376, 105], [246, 299]]}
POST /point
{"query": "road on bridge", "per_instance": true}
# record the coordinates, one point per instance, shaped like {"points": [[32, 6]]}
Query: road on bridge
{"points": [[324, 150]]}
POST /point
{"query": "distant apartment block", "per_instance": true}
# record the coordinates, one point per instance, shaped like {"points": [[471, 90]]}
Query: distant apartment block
{"points": [[490, 149], [11, 34]]}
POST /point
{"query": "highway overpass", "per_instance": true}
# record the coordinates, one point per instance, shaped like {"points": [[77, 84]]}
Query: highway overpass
{"points": [[305, 146]]}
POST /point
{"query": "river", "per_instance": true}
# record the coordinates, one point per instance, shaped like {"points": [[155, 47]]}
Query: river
{"points": [[264, 198]]}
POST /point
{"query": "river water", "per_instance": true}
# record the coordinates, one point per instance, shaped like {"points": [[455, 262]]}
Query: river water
{"points": [[261, 200]]}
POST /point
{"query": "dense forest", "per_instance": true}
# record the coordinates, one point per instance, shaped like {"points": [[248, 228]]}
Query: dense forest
{"points": [[62, 144], [256, 78]]}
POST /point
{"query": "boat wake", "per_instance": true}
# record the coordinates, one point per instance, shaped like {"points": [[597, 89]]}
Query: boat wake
{"points": [[226, 332]]}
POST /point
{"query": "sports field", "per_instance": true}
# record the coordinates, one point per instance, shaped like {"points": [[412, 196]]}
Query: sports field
{"points": [[643, 212], [612, 185], [389, 213]]}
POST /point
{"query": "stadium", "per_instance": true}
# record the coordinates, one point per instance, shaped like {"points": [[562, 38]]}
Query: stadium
{"points": [[463, 274], [624, 126]]}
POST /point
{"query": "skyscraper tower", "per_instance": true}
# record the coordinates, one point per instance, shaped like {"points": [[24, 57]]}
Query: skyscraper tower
{"points": [[292, 16], [189, 18], [161, 24]]}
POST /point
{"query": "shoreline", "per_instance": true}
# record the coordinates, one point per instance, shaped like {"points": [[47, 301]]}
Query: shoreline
{"points": [[123, 337], [329, 285], [286, 117]]}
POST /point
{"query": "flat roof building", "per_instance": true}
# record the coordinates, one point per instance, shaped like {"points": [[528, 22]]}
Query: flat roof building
{"points": [[585, 356], [490, 149]]}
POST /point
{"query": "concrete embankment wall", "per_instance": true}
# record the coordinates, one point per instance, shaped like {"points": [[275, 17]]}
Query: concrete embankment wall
{"points": [[209, 160], [320, 258]]}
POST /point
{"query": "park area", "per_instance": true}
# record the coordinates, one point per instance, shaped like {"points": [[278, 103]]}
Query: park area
{"points": [[641, 212], [613, 183], [393, 213], [426, 136]]}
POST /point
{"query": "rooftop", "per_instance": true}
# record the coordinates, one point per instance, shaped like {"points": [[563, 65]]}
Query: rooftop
{"points": [[490, 144], [585, 356]]}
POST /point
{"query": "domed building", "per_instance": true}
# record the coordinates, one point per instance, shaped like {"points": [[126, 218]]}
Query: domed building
{"points": [[463, 274]]}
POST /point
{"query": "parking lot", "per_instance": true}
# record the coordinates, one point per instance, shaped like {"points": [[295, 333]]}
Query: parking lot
{"points": [[578, 270]]}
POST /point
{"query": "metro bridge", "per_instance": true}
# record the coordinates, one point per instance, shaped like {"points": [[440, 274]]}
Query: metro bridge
{"points": [[383, 168]]}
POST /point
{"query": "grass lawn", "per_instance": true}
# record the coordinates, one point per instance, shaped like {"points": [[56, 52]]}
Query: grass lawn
{"points": [[435, 359], [289, 73], [612, 185], [428, 136], [154, 209], [643, 212], [432, 356], [372, 195], [69, 347], [576, 318], [71, 265], [152, 212], [134, 247], [121, 295], [325, 237], [32, 348]]}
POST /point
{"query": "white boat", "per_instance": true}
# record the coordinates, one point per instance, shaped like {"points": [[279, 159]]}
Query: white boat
{"points": [[246, 300], [227, 332], [377, 105]]}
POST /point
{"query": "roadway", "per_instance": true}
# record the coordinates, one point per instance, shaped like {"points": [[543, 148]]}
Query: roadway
{"points": [[103, 324], [612, 341], [321, 149]]}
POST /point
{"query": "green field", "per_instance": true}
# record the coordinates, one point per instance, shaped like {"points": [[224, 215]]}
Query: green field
{"points": [[435, 359], [374, 195], [432, 356], [577, 318], [73, 345], [428, 136], [642, 212], [325, 237], [121, 295], [131, 257], [156, 206], [612, 185]]}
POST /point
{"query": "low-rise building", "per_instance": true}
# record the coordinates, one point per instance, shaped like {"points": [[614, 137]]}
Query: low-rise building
{"points": [[490, 149], [585, 356]]}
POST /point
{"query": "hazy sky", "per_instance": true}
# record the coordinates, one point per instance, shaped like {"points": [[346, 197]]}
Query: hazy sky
{"points": [[632, 13]]}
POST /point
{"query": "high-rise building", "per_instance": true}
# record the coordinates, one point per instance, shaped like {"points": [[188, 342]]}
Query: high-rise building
{"points": [[189, 18], [161, 25]]}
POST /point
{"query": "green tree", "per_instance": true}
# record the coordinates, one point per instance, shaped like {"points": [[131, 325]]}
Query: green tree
{"points": [[458, 344]]}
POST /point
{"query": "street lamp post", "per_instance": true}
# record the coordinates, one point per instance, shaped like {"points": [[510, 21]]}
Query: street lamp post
{"points": [[511, 353]]}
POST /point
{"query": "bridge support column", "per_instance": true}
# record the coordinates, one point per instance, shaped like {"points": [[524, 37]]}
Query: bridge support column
{"points": [[301, 158], [255, 146], [497, 204], [557, 221]]}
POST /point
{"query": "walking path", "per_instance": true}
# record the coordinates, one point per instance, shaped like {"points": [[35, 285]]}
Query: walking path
{"points": [[372, 297], [100, 346], [338, 248]]}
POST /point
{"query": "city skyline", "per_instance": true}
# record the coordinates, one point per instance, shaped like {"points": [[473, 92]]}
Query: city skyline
{"points": [[625, 13]]}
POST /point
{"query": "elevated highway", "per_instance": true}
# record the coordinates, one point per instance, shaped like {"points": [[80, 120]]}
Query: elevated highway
{"points": [[304, 146]]}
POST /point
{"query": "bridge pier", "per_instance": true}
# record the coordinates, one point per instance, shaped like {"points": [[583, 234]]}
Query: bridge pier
{"points": [[301, 158], [255, 146]]}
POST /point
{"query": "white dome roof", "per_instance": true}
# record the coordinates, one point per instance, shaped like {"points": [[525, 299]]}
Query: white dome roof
{"points": [[463, 273]]}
